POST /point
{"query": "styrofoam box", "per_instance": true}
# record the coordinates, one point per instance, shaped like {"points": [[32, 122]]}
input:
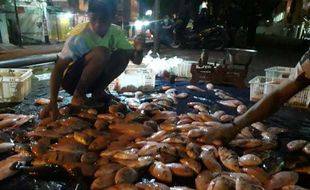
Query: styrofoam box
{"points": [[15, 84], [278, 72], [134, 78], [260, 86]]}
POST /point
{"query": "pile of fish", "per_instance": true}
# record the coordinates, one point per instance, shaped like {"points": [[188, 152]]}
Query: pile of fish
{"points": [[149, 146]]}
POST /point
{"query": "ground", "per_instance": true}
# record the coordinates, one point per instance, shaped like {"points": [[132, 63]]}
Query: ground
{"points": [[271, 52]]}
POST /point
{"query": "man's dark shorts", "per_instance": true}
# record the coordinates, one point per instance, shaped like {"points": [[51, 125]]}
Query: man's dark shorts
{"points": [[75, 70]]}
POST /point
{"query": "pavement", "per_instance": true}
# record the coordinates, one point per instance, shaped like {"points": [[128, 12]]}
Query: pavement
{"points": [[9, 51]]}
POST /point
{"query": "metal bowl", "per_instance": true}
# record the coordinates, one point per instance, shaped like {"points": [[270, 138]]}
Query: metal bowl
{"points": [[240, 56]]}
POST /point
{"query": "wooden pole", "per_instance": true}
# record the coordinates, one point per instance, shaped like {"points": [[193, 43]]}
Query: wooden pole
{"points": [[156, 34], [18, 26]]}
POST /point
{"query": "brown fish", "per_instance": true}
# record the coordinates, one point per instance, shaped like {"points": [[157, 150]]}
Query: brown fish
{"points": [[161, 172], [229, 158], [296, 145], [230, 103], [203, 179], [180, 169], [126, 175], [282, 179]]}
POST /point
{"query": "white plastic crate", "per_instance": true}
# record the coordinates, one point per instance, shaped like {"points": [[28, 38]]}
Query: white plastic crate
{"points": [[15, 84], [257, 85], [260, 86], [134, 78], [183, 69], [278, 72]]}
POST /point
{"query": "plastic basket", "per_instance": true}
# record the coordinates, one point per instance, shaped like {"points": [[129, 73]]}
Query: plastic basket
{"points": [[278, 72], [257, 85], [15, 84], [183, 69], [260, 86], [133, 79]]}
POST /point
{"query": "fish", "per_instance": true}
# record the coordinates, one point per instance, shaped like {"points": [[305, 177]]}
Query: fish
{"points": [[241, 109], [306, 149], [42, 101], [70, 147], [6, 147], [246, 143], [107, 169], [179, 169], [13, 120], [282, 179], [230, 103], [126, 175], [122, 186], [152, 185], [203, 179], [296, 145], [250, 160], [195, 88], [210, 86], [229, 158], [191, 163], [193, 150], [182, 95], [241, 184], [161, 172], [103, 182], [135, 129], [82, 138], [89, 157], [130, 154], [221, 183], [210, 162], [293, 187], [258, 173], [180, 188], [141, 162]]}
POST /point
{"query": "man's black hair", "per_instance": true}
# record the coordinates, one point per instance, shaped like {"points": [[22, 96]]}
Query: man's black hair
{"points": [[104, 8]]}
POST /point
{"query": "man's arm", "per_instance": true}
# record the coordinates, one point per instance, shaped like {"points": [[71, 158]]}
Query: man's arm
{"points": [[51, 110], [56, 77], [262, 109], [271, 103]]}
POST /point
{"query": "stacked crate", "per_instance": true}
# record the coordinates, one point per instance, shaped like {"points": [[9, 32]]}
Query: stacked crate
{"points": [[262, 85]]}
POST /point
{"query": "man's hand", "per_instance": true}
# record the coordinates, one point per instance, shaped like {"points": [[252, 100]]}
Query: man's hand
{"points": [[224, 132], [51, 110], [139, 42]]}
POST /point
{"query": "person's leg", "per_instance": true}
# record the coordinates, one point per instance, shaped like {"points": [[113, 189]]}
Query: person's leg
{"points": [[73, 75], [95, 62], [113, 68]]}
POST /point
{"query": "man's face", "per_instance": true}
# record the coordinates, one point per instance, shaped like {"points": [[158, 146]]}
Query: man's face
{"points": [[99, 24]]}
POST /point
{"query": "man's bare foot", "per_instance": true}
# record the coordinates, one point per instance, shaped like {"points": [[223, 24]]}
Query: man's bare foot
{"points": [[103, 96], [78, 101]]}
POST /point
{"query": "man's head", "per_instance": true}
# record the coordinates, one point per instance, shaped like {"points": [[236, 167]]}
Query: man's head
{"points": [[101, 14]]}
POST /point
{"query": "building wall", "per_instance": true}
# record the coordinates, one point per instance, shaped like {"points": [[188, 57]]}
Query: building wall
{"points": [[4, 29]]}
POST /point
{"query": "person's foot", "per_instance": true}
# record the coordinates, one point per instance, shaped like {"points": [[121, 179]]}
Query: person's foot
{"points": [[78, 101], [103, 96]]}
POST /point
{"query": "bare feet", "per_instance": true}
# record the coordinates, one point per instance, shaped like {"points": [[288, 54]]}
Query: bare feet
{"points": [[103, 96], [78, 101]]}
